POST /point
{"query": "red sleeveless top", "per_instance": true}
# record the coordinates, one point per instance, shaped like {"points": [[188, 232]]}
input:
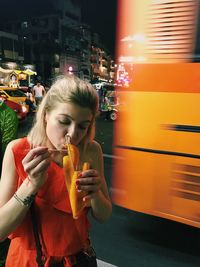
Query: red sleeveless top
{"points": [[60, 234]]}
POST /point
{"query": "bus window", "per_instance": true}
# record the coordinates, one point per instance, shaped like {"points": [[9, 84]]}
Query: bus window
{"points": [[157, 135]]}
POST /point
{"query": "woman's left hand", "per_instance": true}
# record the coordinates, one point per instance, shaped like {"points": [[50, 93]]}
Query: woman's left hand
{"points": [[89, 181]]}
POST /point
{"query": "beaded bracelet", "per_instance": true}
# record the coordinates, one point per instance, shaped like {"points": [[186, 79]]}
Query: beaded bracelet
{"points": [[25, 202]]}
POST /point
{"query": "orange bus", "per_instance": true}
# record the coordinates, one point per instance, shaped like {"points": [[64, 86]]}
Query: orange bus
{"points": [[156, 169]]}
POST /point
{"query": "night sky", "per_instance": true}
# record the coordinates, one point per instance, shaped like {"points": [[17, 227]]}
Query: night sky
{"points": [[99, 14]]}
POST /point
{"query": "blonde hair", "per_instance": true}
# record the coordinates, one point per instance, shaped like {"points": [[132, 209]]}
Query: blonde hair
{"points": [[65, 89]]}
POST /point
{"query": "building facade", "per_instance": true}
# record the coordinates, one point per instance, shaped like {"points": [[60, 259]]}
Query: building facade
{"points": [[56, 42]]}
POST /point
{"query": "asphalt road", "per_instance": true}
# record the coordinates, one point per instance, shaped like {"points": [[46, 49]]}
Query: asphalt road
{"points": [[131, 239]]}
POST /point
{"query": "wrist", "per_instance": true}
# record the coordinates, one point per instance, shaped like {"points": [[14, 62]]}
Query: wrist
{"points": [[31, 188], [26, 201]]}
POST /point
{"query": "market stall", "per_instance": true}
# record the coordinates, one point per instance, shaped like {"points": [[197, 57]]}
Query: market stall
{"points": [[16, 78]]}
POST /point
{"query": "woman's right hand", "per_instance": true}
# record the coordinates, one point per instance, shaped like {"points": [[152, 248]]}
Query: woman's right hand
{"points": [[36, 163]]}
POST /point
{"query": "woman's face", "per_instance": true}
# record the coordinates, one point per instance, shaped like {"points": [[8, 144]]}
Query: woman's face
{"points": [[67, 118]]}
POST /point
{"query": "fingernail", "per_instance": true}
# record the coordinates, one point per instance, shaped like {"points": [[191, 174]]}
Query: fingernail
{"points": [[79, 175]]}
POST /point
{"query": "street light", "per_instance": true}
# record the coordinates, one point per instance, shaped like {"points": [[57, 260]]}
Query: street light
{"points": [[70, 70]]}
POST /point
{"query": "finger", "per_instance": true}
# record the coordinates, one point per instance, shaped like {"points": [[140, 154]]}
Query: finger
{"points": [[35, 161], [90, 172], [34, 152], [41, 167], [92, 180], [91, 188], [89, 196], [40, 158]]}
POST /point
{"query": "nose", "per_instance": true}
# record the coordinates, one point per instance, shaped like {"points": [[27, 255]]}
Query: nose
{"points": [[71, 134]]}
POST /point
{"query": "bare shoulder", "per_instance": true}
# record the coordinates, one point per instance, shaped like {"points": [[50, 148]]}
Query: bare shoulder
{"points": [[94, 155], [14, 142], [94, 148], [11, 145], [8, 156]]}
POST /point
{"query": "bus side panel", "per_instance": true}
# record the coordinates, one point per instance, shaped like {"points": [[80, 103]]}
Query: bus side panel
{"points": [[159, 185], [156, 171], [174, 77]]}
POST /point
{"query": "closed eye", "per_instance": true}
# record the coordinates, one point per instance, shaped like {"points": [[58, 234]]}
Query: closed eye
{"points": [[64, 122]]}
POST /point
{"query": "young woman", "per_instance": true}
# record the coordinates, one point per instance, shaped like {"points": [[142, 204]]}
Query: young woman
{"points": [[32, 171]]}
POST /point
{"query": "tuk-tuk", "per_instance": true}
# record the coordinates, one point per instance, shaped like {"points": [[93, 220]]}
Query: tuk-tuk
{"points": [[108, 101]]}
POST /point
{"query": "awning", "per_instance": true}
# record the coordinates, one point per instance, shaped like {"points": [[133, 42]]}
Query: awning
{"points": [[27, 71], [30, 72]]}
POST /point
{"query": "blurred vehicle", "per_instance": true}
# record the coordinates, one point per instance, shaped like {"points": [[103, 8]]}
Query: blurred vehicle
{"points": [[108, 100], [20, 110], [14, 95], [110, 112], [156, 167], [109, 106]]}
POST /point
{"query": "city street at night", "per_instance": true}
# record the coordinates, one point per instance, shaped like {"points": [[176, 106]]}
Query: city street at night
{"points": [[134, 66]]}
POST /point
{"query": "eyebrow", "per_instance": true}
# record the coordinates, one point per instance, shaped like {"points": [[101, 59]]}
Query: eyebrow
{"points": [[68, 116]]}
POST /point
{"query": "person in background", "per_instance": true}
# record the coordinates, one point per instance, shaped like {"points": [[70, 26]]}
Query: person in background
{"points": [[33, 176], [38, 92], [30, 101]]}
